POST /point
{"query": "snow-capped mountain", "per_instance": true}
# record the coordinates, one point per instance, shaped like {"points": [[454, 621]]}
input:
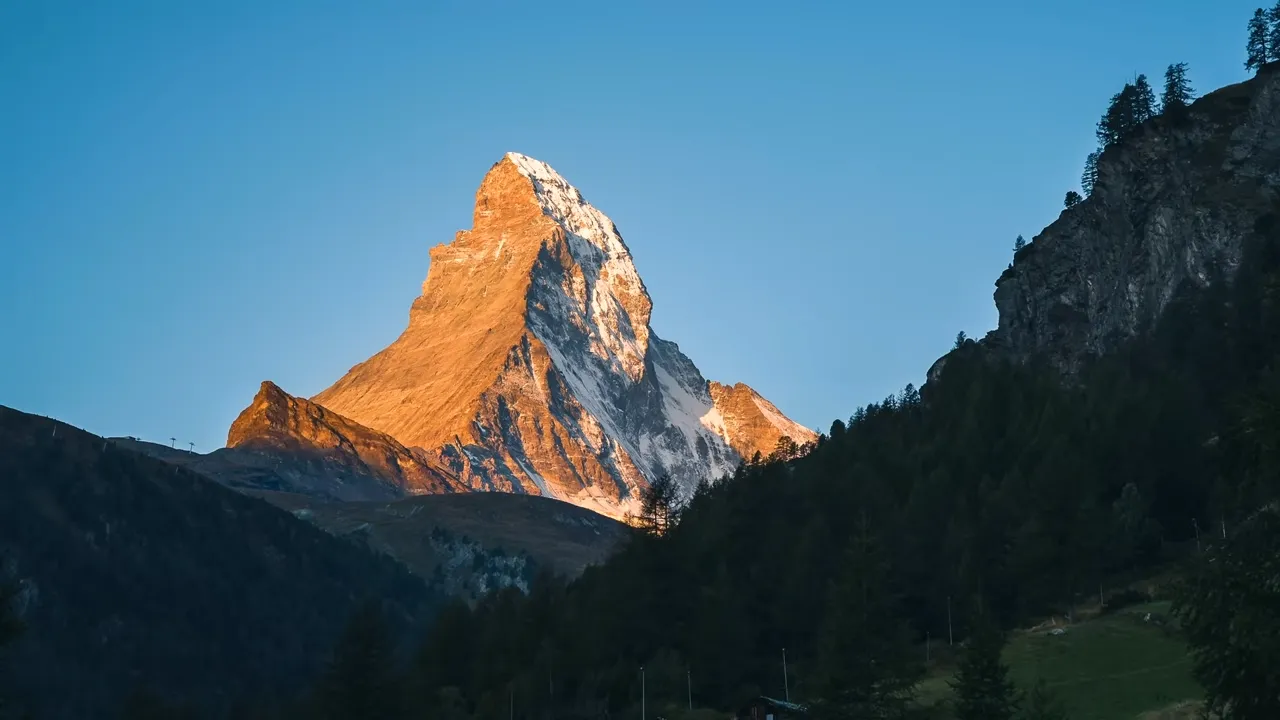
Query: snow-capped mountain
{"points": [[529, 366]]}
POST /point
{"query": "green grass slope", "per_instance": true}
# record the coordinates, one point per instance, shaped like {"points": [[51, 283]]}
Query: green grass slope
{"points": [[1115, 667]]}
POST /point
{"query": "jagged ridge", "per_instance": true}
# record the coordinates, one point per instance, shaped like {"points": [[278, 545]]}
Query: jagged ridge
{"points": [[528, 364], [338, 457]]}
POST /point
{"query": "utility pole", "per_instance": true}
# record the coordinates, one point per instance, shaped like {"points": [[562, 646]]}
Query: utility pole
{"points": [[688, 677], [192, 447], [1224, 527], [173, 441], [1196, 525], [642, 696], [951, 638], [786, 682]]}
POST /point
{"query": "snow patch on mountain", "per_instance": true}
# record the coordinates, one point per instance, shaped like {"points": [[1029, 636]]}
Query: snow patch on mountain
{"points": [[609, 285]]}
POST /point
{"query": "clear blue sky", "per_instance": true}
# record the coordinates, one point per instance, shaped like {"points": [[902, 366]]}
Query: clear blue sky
{"points": [[197, 196]]}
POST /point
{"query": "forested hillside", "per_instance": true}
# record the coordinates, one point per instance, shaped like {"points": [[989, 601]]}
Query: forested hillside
{"points": [[1002, 490], [131, 575]]}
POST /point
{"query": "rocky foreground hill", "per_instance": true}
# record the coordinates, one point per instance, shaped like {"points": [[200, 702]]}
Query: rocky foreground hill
{"points": [[1173, 207]]}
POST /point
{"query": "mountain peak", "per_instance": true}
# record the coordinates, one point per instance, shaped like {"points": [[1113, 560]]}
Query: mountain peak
{"points": [[528, 364], [606, 288]]}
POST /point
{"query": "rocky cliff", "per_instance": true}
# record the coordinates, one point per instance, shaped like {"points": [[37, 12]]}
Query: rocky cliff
{"points": [[528, 366], [325, 454], [1173, 205]]}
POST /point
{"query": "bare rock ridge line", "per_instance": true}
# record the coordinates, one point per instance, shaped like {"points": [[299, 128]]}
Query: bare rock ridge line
{"points": [[528, 366], [277, 422]]}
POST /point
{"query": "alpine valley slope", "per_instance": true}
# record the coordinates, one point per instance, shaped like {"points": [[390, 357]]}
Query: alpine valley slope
{"points": [[529, 366]]}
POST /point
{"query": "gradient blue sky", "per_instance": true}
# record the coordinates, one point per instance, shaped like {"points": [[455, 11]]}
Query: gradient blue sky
{"points": [[197, 196]]}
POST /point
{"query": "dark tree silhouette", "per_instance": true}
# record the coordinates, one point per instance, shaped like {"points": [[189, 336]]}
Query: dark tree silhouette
{"points": [[658, 506], [1073, 199], [1228, 610], [1144, 101], [1019, 244], [1258, 48], [1129, 108], [1177, 89], [1273, 37], [785, 449], [866, 667], [961, 339], [361, 680], [1089, 178], [982, 687]]}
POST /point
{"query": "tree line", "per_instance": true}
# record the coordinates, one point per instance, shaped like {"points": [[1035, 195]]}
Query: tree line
{"points": [[1263, 45], [995, 495]]}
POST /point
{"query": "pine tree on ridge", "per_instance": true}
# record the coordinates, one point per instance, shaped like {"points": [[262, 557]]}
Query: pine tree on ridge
{"points": [[1258, 48], [1089, 178], [1177, 89], [1273, 38]]}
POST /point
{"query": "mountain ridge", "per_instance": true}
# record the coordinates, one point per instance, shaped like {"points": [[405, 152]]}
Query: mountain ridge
{"points": [[528, 365]]}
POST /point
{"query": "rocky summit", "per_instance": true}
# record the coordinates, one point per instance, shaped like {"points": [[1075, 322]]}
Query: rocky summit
{"points": [[529, 366]]}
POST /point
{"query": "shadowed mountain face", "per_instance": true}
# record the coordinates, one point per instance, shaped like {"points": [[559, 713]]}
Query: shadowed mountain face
{"points": [[137, 572], [346, 483], [470, 543], [1174, 207], [528, 366]]}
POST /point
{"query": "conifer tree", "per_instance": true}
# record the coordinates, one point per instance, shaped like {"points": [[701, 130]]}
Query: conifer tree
{"points": [[1090, 176], [1258, 48], [1273, 38], [982, 687], [1073, 199], [1019, 244], [865, 665], [361, 680], [1144, 101], [1227, 608], [1177, 89], [1129, 108], [658, 501], [785, 449], [961, 339]]}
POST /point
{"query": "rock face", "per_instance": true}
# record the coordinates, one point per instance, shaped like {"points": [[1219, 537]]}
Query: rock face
{"points": [[529, 366], [1172, 205], [753, 424], [320, 453]]}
